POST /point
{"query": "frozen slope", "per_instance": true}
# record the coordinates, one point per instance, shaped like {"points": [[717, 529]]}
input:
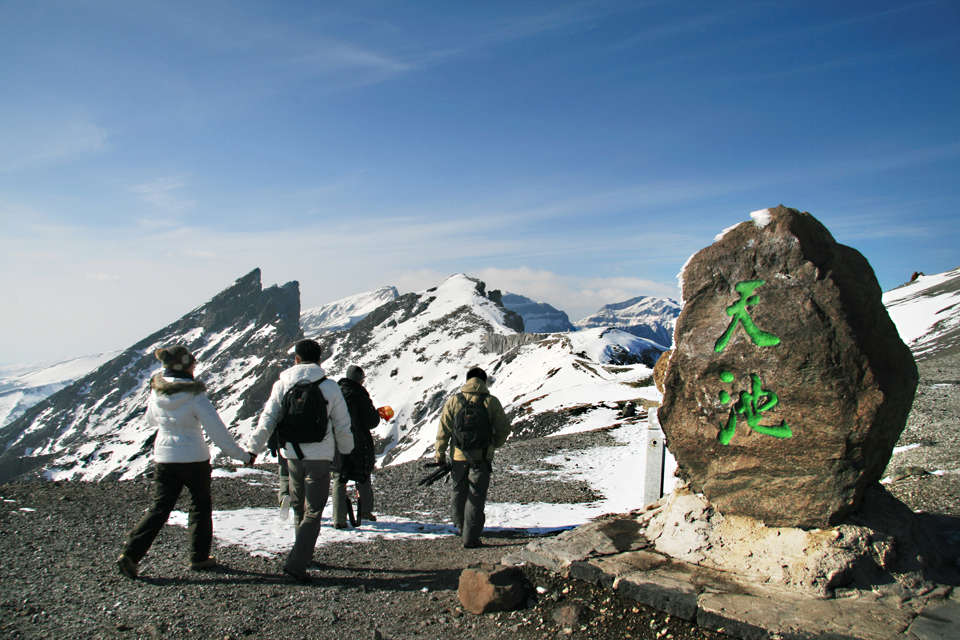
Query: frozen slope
{"points": [[345, 312], [643, 316], [24, 386], [927, 313]]}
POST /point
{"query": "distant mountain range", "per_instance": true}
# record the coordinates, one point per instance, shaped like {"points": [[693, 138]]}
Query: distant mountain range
{"points": [[24, 386], [415, 349], [643, 316], [81, 418]]}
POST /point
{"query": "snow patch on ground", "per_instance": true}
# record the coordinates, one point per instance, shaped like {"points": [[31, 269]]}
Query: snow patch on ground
{"points": [[612, 471], [905, 447]]}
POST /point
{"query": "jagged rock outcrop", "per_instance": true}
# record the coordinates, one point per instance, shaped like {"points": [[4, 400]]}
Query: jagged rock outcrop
{"points": [[92, 428], [538, 317], [789, 385]]}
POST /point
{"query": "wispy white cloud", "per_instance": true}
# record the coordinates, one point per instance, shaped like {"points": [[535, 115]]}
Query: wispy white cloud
{"points": [[29, 142], [165, 194], [332, 56]]}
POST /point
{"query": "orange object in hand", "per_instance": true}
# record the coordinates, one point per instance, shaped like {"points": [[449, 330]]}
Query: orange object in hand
{"points": [[386, 412]]}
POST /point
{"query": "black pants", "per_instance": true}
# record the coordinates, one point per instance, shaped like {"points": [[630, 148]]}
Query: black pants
{"points": [[168, 481], [470, 483]]}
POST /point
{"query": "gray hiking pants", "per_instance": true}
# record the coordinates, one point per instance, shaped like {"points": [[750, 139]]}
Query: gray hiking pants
{"points": [[470, 483], [283, 490], [364, 508], [309, 489]]}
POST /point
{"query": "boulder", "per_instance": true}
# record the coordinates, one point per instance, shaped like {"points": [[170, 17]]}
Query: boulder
{"points": [[660, 369], [485, 588], [788, 385]]}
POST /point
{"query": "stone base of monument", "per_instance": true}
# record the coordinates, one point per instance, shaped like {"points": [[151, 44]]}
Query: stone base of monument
{"points": [[885, 573]]}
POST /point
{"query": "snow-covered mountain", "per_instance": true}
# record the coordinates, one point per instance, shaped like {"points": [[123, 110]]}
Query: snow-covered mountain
{"points": [[643, 316], [927, 313], [21, 387], [538, 317], [345, 312], [93, 429], [415, 349]]}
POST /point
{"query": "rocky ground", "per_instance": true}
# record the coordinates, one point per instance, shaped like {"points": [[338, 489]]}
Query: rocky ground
{"points": [[927, 477], [58, 543]]}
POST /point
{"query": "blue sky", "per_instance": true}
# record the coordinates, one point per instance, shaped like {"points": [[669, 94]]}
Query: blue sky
{"points": [[577, 153]]}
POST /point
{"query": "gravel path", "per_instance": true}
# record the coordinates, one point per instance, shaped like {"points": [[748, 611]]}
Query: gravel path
{"points": [[58, 542], [60, 581]]}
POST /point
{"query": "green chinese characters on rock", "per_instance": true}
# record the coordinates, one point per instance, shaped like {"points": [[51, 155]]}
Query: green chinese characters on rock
{"points": [[756, 401], [738, 311], [752, 404]]}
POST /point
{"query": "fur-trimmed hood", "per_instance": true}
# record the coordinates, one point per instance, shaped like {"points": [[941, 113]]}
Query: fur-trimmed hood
{"points": [[168, 386]]}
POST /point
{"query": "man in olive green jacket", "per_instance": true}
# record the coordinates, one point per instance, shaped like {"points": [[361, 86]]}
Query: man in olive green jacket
{"points": [[471, 468]]}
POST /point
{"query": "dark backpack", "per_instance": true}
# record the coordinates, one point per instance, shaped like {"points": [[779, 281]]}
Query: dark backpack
{"points": [[304, 415], [471, 426]]}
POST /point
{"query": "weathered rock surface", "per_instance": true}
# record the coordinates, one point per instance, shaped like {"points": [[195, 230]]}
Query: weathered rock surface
{"points": [[488, 588], [789, 384], [660, 369], [885, 570]]}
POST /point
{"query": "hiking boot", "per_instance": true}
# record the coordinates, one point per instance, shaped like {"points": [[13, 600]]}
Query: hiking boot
{"points": [[370, 517], [339, 525], [127, 566], [296, 576], [203, 565], [476, 544]]}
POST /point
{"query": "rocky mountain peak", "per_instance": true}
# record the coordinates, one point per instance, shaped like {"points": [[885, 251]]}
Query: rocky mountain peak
{"points": [[538, 317], [345, 312], [91, 429]]}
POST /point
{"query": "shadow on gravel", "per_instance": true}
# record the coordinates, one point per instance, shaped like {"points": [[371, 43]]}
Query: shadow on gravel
{"points": [[407, 580], [386, 579], [220, 575]]}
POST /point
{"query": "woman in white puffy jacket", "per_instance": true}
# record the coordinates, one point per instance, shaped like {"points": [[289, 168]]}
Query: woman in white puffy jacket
{"points": [[181, 412]]}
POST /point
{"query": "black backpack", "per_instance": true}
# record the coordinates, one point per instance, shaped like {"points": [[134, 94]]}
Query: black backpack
{"points": [[304, 415], [471, 426]]}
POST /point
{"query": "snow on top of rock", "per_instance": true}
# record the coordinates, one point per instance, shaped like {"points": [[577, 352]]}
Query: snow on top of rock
{"points": [[459, 290], [761, 217], [719, 236], [345, 312]]}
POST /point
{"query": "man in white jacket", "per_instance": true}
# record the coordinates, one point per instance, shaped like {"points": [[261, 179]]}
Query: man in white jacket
{"points": [[309, 478]]}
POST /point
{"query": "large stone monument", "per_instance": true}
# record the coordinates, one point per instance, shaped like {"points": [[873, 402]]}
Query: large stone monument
{"points": [[783, 397], [788, 385]]}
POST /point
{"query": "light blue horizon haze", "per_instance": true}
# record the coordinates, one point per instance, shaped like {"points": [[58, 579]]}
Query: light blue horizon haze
{"points": [[573, 152]]}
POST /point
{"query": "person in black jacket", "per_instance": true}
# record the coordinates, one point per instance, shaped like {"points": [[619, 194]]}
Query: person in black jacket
{"points": [[359, 464]]}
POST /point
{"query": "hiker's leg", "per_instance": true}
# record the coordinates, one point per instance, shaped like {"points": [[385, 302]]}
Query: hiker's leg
{"points": [[284, 476], [339, 500], [166, 490], [365, 493], [296, 488], [458, 471], [196, 475], [473, 516], [316, 474]]}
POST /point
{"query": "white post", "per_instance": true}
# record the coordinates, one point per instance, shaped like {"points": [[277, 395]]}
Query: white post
{"points": [[653, 457]]}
